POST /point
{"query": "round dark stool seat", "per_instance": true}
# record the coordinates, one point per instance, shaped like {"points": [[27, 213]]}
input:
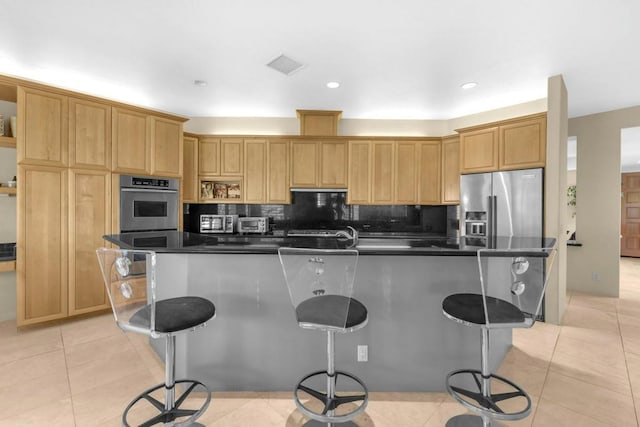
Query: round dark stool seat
{"points": [[469, 308], [176, 314], [327, 311]]}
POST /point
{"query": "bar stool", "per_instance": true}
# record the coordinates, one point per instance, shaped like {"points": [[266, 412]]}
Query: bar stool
{"points": [[320, 283], [130, 279], [513, 283]]}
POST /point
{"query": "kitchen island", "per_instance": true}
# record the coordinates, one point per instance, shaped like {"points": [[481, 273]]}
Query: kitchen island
{"points": [[254, 343]]}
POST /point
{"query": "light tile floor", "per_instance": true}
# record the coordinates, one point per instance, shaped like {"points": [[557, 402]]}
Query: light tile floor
{"points": [[83, 373]]}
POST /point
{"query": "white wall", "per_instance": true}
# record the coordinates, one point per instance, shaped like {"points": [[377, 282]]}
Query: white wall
{"points": [[8, 222], [358, 127], [598, 207]]}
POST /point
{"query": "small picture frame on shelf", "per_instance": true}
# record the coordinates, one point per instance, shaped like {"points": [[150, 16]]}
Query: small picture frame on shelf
{"points": [[233, 191], [220, 190]]}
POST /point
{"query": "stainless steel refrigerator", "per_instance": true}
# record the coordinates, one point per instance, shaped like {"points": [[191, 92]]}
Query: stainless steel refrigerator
{"points": [[501, 204]]}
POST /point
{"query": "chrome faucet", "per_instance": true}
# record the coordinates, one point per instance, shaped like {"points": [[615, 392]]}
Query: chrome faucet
{"points": [[353, 236]]}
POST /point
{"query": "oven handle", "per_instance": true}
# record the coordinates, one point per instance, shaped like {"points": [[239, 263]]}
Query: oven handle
{"points": [[146, 190]]}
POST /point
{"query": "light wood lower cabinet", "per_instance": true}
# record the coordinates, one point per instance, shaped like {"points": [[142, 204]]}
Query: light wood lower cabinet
{"points": [[62, 216], [42, 257], [89, 220]]}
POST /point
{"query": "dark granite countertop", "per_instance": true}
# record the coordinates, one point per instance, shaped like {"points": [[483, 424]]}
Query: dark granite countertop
{"points": [[7, 252], [182, 242]]}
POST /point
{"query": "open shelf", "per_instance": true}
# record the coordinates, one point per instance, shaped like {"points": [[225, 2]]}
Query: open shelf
{"points": [[221, 190], [7, 266], [7, 141], [8, 190]]}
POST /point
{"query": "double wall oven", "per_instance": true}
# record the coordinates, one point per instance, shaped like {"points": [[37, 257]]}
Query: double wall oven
{"points": [[148, 203]]}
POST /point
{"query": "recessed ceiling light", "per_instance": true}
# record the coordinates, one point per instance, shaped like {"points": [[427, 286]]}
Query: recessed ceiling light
{"points": [[200, 83], [468, 85], [333, 85]]}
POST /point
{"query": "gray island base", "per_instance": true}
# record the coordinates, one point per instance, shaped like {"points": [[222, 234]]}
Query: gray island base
{"points": [[255, 344]]}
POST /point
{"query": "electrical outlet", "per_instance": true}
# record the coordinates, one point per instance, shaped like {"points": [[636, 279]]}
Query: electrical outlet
{"points": [[363, 353], [595, 276]]}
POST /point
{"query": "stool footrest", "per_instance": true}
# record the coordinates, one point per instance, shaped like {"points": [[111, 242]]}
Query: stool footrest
{"points": [[331, 403], [172, 414], [488, 405]]}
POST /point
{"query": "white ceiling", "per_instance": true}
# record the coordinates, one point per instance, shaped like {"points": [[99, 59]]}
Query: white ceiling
{"points": [[401, 59]]}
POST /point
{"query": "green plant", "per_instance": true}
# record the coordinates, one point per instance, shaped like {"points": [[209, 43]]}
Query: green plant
{"points": [[571, 195]]}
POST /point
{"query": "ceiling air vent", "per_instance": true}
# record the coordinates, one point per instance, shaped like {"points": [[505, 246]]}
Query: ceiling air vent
{"points": [[285, 65]]}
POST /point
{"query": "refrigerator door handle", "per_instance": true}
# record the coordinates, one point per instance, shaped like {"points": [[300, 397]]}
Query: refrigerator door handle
{"points": [[493, 222], [490, 219]]}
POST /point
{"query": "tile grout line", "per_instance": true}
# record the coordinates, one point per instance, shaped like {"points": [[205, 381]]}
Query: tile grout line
{"points": [[626, 364], [66, 367], [546, 375]]}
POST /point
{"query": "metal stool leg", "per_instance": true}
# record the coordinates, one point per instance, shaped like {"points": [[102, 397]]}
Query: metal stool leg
{"points": [[487, 406], [330, 400], [170, 410]]}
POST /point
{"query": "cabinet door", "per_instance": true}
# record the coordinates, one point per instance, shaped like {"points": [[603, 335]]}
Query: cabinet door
{"points": [[190, 170], [42, 244], [278, 172], [333, 164], [382, 172], [359, 190], [42, 128], [89, 220], [451, 171], [429, 188], [304, 164], [166, 147], [131, 144], [209, 156], [255, 171], [89, 134], [479, 150], [523, 144], [231, 160], [406, 172]]}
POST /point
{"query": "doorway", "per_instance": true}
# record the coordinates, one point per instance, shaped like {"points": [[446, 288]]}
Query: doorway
{"points": [[630, 192]]}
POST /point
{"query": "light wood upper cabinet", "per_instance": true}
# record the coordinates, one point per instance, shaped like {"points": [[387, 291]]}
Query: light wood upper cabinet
{"points": [[382, 172], [255, 167], [278, 172], [231, 156], [42, 244], [166, 147], [190, 170], [42, 128], [89, 134], [131, 142], [333, 164], [406, 172], [518, 143], [304, 164], [319, 164], [429, 172], [479, 150], [209, 156], [359, 189], [266, 171], [89, 220], [220, 157], [523, 144], [451, 170]]}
